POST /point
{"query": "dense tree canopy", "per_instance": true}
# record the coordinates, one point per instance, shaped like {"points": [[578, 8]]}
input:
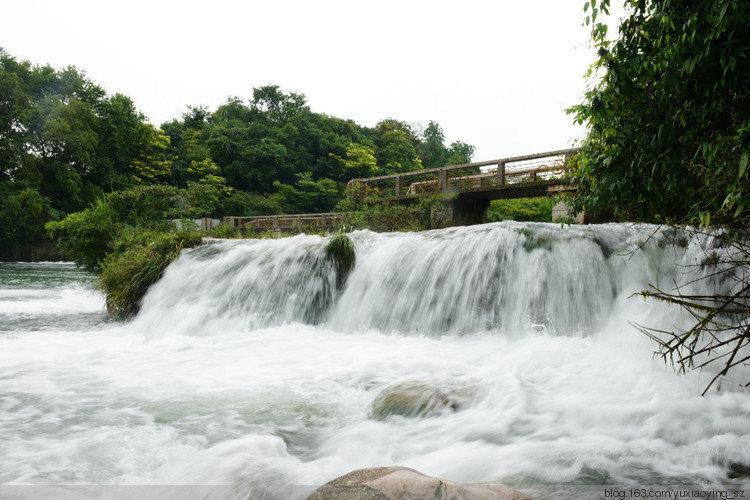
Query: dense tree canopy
{"points": [[64, 142], [669, 119]]}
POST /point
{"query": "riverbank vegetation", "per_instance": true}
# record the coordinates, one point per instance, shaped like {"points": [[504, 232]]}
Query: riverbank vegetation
{"points": [[66, 142], [669, 141], [87, 169]]}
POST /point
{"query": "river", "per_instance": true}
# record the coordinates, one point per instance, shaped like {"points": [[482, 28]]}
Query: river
{"points": [[248, 374]]}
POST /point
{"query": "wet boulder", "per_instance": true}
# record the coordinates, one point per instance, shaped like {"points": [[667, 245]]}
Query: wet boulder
{"points": [[417, 400], [401, 483]]}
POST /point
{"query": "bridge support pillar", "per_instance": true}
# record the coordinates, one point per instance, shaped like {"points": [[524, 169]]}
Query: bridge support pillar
{"points": [[459, 212], [561, 212]]}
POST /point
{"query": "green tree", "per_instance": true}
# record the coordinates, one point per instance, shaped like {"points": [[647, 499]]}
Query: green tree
{"points": [[307, 195], [360, 162], [431, 149], [120, 140], [396, 148], [277, 105], [87, 236], [460, 153], [152, 165], [669, 121]]}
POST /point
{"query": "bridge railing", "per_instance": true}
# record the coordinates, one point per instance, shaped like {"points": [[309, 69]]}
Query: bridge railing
{"points": [[296, 222], [481, 176]]}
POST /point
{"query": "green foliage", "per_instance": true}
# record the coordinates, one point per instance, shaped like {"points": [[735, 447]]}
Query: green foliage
{"points": [[521, 209], [65, 141], [360, 162], [670, 119], [87, 236], [433, 152], [308, 196], [23, 214], [386, 217], [397, 148], [143, 206], [225, 231], [431, 149], [203, 198], [152, 166], [459, 153], [127, 275], [242, 203]]}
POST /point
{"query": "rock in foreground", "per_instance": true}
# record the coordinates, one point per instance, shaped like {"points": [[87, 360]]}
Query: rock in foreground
{"points": [[401, 483]]}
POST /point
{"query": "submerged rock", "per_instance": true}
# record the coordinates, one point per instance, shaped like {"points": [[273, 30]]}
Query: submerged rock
{"points": [[401, 483], [416, 400], [738, 471]]}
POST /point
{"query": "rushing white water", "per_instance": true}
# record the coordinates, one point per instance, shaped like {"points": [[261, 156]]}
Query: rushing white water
{"points": [[247, 367]]}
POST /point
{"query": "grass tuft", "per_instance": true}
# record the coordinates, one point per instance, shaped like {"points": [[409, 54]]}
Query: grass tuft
{"points": [[340, 250]]}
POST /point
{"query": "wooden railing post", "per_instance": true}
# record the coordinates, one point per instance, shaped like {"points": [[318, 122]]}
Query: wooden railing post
{"points": [[501, 174], [442, 180], [398, 186]]}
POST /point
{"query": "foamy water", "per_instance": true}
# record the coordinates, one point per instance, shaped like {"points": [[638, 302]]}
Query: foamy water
{"points": [[248, 368]]}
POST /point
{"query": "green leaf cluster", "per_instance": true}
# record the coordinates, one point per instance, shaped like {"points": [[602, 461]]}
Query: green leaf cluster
{"points": [[521, 209]]}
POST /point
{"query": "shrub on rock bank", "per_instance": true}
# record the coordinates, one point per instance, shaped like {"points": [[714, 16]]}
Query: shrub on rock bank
{"points": [[127, 275]]}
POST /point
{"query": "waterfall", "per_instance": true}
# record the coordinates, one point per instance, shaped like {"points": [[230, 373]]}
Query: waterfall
{"points": [[505, 278], [506, 352]]}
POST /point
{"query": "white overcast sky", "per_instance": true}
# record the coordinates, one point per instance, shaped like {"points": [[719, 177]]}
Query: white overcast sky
{"points": [[496, 74]]}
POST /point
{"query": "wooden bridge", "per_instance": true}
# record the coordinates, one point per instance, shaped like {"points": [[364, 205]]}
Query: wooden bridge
{"points": [[472, 186]]}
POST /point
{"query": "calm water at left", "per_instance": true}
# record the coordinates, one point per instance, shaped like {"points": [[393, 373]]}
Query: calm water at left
{"points": [[48, 296]]}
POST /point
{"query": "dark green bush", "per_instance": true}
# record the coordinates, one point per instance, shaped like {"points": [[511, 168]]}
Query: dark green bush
{"points": [[87, 236]]}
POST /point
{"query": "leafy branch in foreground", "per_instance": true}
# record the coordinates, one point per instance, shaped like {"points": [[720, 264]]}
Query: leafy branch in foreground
{"points": [[721, 329]]}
